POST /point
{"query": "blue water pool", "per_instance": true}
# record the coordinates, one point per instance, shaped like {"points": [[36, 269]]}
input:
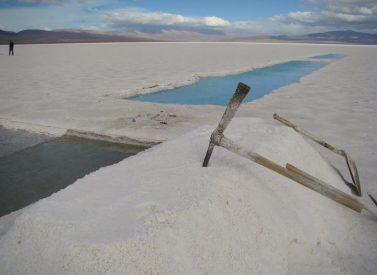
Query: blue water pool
{"points": [[218, 90]]}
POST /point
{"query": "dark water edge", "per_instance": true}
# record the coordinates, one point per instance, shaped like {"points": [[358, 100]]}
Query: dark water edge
{"points": [[36, 172], [218, 90], [15, 140]]}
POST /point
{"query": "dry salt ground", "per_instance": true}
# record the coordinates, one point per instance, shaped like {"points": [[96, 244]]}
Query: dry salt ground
{"points": [[160, 211]]}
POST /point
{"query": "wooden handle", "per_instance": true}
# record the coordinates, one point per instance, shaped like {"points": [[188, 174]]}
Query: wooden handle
{"points": [[327, 190], [350, 163], [235, 102], [294, 174], [233, 105], [309, 135]]}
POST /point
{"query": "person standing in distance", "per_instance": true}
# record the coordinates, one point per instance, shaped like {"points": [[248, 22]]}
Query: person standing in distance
{"points": [[11, 47]]}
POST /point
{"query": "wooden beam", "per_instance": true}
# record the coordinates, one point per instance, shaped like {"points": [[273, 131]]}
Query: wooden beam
{"points": [[350, 163], [294, 174], [327, 190]]}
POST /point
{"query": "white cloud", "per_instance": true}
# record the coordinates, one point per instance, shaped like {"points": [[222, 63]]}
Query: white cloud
{"points": [[46, 17], [366, 11], [49, 2], [136, 17], [271, 26], [319, 15], [213, 21], [151, 18], [360, 15]]}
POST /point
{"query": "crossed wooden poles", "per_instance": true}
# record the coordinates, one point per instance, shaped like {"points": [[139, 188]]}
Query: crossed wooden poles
{"points": [[289, 171], [355, 185]]}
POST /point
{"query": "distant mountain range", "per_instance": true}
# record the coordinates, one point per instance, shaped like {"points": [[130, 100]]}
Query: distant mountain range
{"points": [[347, 37], [334, 37], [81, 36], [65, 36]]}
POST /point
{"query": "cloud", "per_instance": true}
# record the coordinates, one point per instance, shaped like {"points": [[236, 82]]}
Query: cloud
{"points": [[324, 15], [336, 14], [131, 18], [49, 2], [321, 15], [153, 22], [72, 15], [340, 14], [44, 2], [213, 21], [318, 15]]}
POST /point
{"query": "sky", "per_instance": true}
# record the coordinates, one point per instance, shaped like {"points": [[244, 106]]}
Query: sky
{"points": [[236, 17]]}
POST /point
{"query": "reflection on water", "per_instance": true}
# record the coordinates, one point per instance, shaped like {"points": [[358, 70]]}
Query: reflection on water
{"points": [[36, 172], [218, 90]]}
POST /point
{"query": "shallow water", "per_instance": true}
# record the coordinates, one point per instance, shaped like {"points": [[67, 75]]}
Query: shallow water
{"points": [[37, 172], [15, 140], [218, 90]]}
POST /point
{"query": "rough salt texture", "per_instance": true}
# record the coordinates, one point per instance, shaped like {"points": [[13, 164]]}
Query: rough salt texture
{"points": [[160, 212], [81, 86], [51, 88]]}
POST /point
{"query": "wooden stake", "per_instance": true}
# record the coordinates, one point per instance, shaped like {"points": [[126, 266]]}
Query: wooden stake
{"points": [[294, 174], [350, 163], [372, 198], [291, 172], [327, 190], [233, 105]]}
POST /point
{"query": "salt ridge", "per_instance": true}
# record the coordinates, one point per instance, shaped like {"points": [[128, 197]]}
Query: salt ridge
{"points": [[162, 212]]}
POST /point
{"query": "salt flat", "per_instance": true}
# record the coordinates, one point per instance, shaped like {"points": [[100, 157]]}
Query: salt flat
{"points": [[160, 212], [52, 88], [79, 86], [168, 214]]}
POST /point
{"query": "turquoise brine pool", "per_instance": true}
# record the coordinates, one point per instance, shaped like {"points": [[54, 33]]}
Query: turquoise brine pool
{"points": [[218, 90]]}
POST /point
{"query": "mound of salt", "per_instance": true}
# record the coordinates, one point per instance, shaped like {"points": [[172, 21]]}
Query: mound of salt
{"points": [[160, 212]]}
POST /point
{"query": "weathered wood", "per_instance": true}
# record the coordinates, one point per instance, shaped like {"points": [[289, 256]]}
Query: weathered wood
{"points": [[327, 190], [211, 146], [354, 174], [309, 135], [294, 174], [233, 105], [291, 172], [350, 163], [372, 198]]}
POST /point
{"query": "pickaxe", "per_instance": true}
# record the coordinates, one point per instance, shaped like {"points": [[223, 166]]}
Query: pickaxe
{"points": [[289, 171]]}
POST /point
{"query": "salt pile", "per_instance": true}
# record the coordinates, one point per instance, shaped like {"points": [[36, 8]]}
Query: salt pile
{"points": [[160, 212]]}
